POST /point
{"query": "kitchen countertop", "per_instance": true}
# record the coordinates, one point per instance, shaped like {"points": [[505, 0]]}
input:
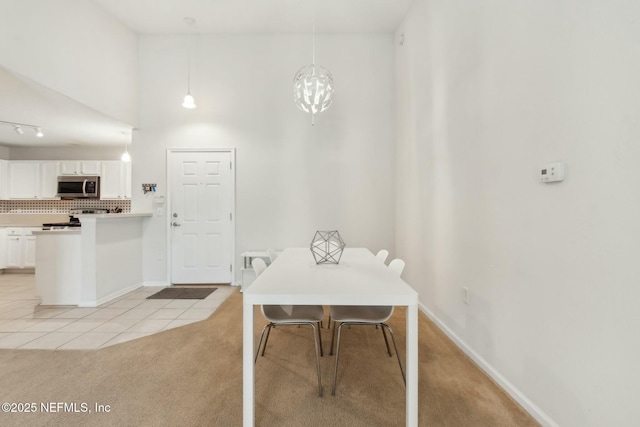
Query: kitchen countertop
{"points": [[36, 220]]}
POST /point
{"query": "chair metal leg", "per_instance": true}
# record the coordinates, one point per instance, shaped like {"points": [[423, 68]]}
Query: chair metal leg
{"points": [[260, 342], [320, 339], [316, 335], [385, 340], [333, 336], [393, 338], [335, 369], [266, 340], [317, 340]]}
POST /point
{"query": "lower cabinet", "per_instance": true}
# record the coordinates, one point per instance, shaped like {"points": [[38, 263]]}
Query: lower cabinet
{"points": [[3, 247], [20, 247]]}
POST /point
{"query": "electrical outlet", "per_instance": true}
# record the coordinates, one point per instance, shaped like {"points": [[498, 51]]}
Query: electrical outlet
{"points": [[465, 295]]}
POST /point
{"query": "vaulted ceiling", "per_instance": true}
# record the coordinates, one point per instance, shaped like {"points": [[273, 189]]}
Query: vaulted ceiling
{"points": [[259, 16], [66, 121]]}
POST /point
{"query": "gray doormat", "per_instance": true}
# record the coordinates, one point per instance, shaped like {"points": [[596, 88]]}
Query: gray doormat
{"points": [[182, 293]]}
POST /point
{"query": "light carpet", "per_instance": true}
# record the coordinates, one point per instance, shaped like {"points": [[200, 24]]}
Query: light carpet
{"points": [[192, 376]]}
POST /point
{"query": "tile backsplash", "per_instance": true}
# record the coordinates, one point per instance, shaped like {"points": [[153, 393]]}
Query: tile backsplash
{"points": [[59, 206]]}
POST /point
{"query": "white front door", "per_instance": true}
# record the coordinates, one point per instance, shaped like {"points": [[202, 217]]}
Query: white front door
{"points": [[202, 194]]}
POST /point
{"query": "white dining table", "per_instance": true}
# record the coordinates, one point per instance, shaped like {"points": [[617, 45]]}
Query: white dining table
{"points": [[359, 279]]}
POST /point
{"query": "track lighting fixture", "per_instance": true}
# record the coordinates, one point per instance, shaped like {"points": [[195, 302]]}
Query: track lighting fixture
{"points": [[18, 127]]}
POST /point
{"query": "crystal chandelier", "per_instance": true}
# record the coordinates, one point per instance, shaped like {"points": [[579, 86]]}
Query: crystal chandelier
{"points": [[313, 84]]}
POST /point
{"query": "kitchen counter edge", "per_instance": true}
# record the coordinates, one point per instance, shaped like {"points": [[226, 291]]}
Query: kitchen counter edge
{"points": [[113, 215], [75, 230]]}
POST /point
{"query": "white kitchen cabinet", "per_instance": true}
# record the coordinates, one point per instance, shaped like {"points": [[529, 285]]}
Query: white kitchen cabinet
{"points": [[13, 252], [28, 247], [115, 180], [20, 247], [80, 167], [48, 180], [90, 167], [4, 178], [70, 168], [3, 247], [24, 179], [127, 180]]}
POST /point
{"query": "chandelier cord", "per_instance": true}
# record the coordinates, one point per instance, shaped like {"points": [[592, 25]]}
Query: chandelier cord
{"points": [[313, 49], [313, 84], [313, 33], [189, 58]]}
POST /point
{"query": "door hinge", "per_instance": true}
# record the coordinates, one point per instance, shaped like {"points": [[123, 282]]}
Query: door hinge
{"points": [[231, 268], [230, 165], [230, 216]]}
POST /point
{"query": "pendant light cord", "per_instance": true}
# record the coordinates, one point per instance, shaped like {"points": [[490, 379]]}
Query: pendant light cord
{"points": [[189, 59], [191, 21], [313, 34]]}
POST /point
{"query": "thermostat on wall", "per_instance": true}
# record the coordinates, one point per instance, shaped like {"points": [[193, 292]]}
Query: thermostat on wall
{"points": [[552, 172]]}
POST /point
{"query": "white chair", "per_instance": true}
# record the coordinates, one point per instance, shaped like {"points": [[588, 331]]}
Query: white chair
{"points": [[365, 315], [272, 254], [382, 255], [290, 315]]}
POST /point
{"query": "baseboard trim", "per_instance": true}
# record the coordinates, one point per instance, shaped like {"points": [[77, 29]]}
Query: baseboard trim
{"points": [[110, 296], [498, 378]]}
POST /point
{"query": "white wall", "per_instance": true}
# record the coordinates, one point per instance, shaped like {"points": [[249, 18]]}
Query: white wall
{"points": [[75, 48], [487, 91], [292, 178]]}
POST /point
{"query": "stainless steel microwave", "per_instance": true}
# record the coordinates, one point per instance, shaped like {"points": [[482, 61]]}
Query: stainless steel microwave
{"points": [[79, 187]]}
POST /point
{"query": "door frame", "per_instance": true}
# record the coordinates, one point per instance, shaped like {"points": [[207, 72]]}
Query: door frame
{"points": [[232, 153]]}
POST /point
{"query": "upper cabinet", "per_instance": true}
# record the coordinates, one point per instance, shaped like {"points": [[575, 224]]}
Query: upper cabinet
{"points": [[32, 179], [84, 167], [115, 180], [24, 179], [4, 178], [49, 172]]}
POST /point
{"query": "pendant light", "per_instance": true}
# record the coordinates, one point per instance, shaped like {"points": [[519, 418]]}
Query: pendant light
{"points": [[313, 84], [126, 157], [188, 98]]}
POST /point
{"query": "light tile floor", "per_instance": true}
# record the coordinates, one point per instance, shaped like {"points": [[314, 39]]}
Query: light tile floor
{"points": [[25, 324]]}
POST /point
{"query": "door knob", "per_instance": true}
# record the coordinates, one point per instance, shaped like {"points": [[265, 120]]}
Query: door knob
{"points": [[175, 224]]}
